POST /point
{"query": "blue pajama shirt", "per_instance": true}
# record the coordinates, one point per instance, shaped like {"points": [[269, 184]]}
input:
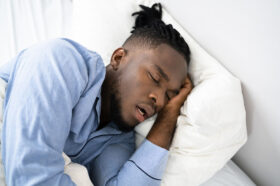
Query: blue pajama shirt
{"points": [[52, 105]]}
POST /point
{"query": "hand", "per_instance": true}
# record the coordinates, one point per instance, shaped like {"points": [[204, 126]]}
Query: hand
{"points": [[163, 129], [171, 110], [176, 102]]}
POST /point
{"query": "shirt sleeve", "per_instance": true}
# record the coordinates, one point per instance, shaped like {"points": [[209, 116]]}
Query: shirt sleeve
{"points": [[43, 87], [115, 166]]}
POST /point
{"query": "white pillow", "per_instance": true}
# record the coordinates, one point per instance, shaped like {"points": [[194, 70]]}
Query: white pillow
{"points": [[212, 124]]}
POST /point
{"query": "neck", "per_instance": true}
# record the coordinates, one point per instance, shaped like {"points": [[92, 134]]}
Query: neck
{"points": [[106, 92]]}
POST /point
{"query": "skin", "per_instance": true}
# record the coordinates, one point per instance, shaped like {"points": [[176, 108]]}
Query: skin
{"points": [[133, 78]]}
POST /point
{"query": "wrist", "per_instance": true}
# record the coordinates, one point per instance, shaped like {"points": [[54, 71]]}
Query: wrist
{"points": [[172, 111]]}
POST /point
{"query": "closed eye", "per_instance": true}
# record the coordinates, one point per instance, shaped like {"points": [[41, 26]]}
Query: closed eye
{"points": [[152, 77], [171, 94], [168, 97]]}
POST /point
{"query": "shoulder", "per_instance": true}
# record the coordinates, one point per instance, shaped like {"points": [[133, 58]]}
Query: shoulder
{"points": [[64, 46], [62, 52]]}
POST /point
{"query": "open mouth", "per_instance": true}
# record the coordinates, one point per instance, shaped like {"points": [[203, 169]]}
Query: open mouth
{"points": [[142, 111], [141, 114]]}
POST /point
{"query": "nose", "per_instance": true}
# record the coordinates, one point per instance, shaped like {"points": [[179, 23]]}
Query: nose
{"points": [[158, 100]]}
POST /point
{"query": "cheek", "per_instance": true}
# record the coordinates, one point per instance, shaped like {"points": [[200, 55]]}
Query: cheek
{"points": [[134, 89], [133, 84]]}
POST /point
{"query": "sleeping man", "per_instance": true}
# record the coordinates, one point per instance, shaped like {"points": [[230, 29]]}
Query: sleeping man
{"points": [[61, 98]]}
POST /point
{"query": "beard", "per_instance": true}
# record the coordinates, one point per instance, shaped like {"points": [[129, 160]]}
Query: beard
{"points": [[116, 115]]}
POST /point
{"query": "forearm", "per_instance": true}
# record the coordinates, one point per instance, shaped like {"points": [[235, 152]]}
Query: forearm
{"points": [[162, 132], [145, 166]]}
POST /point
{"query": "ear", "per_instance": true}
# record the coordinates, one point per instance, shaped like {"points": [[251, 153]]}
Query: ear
{"points": [[117, 58]]}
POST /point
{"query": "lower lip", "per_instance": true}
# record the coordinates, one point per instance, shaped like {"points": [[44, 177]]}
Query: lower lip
{"points": [[139, 116]]}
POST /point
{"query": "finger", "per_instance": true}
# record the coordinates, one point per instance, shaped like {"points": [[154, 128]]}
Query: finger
{"points": [[184, 92], [188, 83], [182, 96]]}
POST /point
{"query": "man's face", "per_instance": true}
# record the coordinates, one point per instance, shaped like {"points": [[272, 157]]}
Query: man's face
{"points": [[147, 80]]}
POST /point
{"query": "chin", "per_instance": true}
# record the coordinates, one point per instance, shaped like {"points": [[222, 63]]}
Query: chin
{"points": [[123, 124], [122, 120], [125, 127]]}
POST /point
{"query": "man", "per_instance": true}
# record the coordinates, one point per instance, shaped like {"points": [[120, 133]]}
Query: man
{"points": [[60, 98]]}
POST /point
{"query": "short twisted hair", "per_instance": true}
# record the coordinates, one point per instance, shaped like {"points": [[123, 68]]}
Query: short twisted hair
{"points": [[150, 30]]}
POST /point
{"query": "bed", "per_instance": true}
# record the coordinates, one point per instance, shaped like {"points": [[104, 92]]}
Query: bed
{"points": [[27, 22]]}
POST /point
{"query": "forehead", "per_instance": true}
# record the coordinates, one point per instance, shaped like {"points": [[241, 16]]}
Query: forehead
{"points": [[169, 60]]}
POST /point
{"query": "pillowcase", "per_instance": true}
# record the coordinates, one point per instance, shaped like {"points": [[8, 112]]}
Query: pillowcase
{"points": [[212, 124]]}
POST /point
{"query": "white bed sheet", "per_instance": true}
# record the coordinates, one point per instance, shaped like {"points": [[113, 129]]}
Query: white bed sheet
{"points": [[26, 22], [230, 175]]}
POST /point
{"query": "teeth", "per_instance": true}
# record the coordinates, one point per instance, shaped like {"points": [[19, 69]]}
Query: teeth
{"points": [[142, 113]]}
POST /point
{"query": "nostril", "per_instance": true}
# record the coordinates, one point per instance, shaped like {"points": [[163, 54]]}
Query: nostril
{"points": [[153, 97]]}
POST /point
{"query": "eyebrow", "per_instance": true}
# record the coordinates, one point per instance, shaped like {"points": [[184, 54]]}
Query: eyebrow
{"points": [[162, 73]]}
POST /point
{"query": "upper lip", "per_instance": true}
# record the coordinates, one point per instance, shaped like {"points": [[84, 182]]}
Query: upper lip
{"points": [[148, 109]]}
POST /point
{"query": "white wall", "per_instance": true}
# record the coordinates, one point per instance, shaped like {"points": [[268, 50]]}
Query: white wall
{"points": [[245, 36]]}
